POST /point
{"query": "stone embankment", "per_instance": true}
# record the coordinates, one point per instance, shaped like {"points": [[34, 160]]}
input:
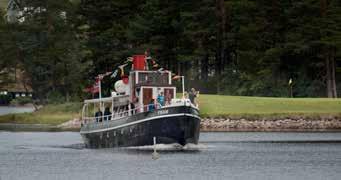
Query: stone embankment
{"points": [[213, 124], [226, 124], [285, 124]]}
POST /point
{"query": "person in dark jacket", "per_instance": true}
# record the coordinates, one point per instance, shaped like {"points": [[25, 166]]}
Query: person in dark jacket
{"points": [[107, 114], [132, 108], [98, 115]]}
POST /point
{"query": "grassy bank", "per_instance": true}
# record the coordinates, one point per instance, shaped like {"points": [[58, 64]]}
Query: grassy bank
{"points": [[50, 114], [3, 4], [210, 106], [259, 107]]}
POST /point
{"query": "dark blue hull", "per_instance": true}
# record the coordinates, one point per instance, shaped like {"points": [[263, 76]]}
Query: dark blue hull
{"points": [[169, 125]]}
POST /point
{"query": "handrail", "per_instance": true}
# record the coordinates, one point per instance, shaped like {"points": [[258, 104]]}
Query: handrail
{"points": [[115, 116], [104, 99], [127, 113]]}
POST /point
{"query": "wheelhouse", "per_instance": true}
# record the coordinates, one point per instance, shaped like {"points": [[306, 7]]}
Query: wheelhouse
{"points": [[143, 87], [147, 85]]}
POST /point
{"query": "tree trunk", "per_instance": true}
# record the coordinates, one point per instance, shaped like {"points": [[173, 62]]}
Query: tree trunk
{"points": [[178, 68], [196, 69], [333, 77], [67, 96], [220, 53], [323, 7], [204, 67], [329, 56], [328, 77]]}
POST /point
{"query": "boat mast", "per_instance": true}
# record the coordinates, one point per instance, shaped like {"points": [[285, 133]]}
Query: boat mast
{"points": [[100, 92], [183, 86]]}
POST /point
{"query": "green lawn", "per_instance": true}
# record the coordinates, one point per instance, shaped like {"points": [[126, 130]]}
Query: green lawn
{"points": [[3, 4], [239, 106], [50, 114]]}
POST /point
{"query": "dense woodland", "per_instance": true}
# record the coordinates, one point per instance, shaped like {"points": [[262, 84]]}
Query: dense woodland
{"points": [[233, 47]]}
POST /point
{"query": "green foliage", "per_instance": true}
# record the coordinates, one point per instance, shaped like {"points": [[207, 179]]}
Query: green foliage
{"points": [[21, 101], [55, 97], [46, 45], [235, 47], [5, 99], [278, 40]]}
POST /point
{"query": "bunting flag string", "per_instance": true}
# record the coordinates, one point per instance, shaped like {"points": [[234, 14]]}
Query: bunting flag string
{"points": [[122, 71]]}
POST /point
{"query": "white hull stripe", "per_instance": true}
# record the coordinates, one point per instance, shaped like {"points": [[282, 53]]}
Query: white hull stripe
{"points": [[139, 121]]}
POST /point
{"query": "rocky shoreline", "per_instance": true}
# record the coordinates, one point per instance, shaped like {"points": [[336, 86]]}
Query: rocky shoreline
{"points": [[285, 124], [213, 125]]}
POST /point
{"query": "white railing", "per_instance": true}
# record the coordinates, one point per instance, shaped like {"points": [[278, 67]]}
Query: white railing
{"points": [[119, 115]]}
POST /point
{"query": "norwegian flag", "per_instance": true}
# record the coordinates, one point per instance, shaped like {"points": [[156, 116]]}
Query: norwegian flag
{"points": [[95, 87]]}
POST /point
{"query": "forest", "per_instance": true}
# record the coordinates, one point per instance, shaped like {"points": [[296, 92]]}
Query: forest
{"points": [[230, 47]]}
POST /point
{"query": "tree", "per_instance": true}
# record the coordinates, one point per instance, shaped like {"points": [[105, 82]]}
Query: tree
{"points": [[47, 47]]}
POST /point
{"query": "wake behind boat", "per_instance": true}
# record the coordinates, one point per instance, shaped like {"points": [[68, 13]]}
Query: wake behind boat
{"points": [[133, 116]]}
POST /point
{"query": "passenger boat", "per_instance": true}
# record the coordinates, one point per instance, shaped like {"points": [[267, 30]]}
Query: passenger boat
{"points": [[133, 119]]}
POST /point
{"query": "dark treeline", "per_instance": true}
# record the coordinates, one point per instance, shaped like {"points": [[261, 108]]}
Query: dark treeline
{"points": [[234, 47]]}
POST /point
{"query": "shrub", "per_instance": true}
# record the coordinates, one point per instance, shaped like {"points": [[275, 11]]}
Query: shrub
{"points": [[55, 97], [21, 101], [5, 99]]}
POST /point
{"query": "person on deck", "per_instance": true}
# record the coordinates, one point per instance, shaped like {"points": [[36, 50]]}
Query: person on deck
{"points": [[132, 108], [98, 115], [168, 97], [161, 99], [186, 95], [151, 105], [107, 114], [192, 96]]}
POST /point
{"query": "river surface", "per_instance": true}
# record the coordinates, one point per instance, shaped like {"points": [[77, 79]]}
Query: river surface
{"points": [[250, 156], [10, 110]]}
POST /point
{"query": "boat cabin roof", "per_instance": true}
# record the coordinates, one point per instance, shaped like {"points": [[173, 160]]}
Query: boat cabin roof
{"points": [[119, 98]]}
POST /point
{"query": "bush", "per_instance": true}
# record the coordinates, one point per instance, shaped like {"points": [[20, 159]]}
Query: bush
{"points": [[55, 97], [5, 99], [21, 101]]}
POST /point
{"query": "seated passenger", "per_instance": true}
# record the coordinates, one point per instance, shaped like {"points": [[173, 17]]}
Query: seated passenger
{"points": [[98, 115], [107, 114]]}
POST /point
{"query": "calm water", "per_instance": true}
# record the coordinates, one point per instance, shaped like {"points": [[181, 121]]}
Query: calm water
{"points": [[10, 110], [219, 156]]}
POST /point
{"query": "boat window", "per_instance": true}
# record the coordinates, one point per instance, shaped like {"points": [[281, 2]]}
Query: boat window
{"points": [[153, 78], [169, 95]]}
